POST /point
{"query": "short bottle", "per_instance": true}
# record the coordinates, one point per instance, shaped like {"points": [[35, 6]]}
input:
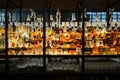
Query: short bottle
{"points": [[106, 51], [118, 47], [48, 49], [101, 49], [112, 50], [95, 49], [78, 49]]}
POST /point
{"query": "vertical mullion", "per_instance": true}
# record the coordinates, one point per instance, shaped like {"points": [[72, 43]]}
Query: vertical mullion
{"points": [[6, 35], [83, 33], [44, 39], [49, 14], [108, 17], [20, 15]]}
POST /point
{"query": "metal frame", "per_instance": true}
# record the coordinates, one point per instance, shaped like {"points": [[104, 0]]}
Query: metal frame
{"points": [[44, 56]]}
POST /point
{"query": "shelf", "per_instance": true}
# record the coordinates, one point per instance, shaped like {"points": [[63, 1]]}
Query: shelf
{"points": [[63, 56], [104, 56], [25, 56]]}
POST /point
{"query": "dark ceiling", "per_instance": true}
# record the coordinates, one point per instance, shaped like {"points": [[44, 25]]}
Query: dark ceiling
{"points": [[62, 4]]}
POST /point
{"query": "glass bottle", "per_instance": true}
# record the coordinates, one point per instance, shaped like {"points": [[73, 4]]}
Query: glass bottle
{"points": [[101, 49], [17, 49], [89, 41], [23, 50], [118, 46], [78, 49], [48, 49], [106, 51], [72, 50], [112, 50], [95, 49]]}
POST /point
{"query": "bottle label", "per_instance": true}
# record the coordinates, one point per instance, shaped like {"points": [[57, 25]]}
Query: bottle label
{"points": [[101, 50], [78, 50], [48, 51]]}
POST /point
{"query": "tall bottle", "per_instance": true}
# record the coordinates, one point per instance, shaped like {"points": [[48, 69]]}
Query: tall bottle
{"points": [[89, 41], [106, 50], [48, 48], [78, 49], [118, 46]]}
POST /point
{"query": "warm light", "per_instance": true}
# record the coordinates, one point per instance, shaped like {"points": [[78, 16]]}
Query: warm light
{"points": [[25, 34]]}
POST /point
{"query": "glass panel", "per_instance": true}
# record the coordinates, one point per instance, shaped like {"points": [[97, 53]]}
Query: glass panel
{"points": [[2, 36], [119, 15], [26, 38], [101, 65], [114, 16], [25, 65], [63, 37], [2, 43], [119, 19], [93, 16]]}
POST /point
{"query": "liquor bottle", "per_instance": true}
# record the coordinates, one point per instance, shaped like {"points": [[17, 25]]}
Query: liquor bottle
{"points": [[89, 41], [106, 50], [95, 49], [59, 48], [118, 46], [57, 35], [34, 49], [23, 50], [91, 29], [40, 48], [112, 50], [78, 49], [54, 48], [101, 48], [29, 51], [17, 49], [72, 50], [48, 49]]}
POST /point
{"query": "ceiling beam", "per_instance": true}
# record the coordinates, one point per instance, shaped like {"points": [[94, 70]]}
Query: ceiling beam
{"points": [[15, 5], [114, 3]]}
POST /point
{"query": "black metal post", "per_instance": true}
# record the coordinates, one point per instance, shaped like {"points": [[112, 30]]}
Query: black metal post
{"points": [[78, 20], [20, 14], [108, 18], [78, 16], [83, 35], [49, 14], [6, 35], [44, 39]]}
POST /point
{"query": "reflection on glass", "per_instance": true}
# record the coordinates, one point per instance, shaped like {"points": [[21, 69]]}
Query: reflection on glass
{"points": [[25, 38], [100, 40], [63, 36]]}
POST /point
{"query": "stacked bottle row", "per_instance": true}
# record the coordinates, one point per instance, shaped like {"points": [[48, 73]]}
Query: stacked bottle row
{"points": [[99, 40], [102, 41], [63, 40], [25, 39]]}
